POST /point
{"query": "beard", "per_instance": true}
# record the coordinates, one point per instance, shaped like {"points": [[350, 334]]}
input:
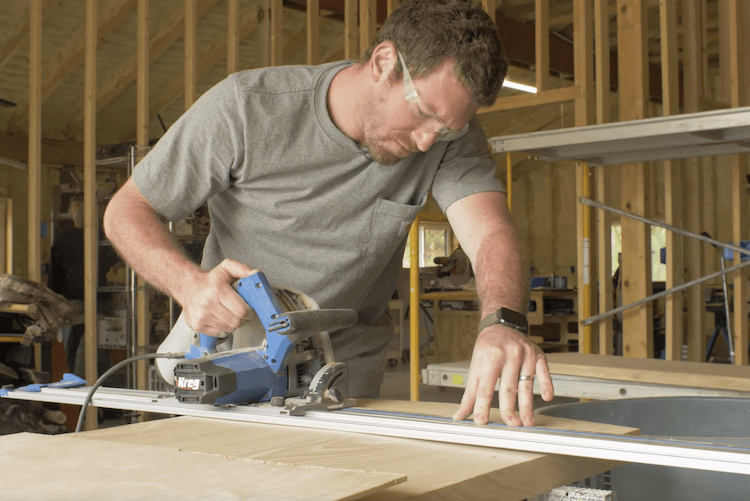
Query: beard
{"points": [[380, 152], [384, 148]]}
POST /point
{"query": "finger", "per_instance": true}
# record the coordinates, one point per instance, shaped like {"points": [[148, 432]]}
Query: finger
{"points": [[526, 394], [509, 393], [484, 394], [235, 308], [235, 269], [547, 389], [204, 324], [217, 313], [468, 398]]}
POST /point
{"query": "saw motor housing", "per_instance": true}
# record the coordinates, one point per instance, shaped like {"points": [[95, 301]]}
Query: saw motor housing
{"points": [[283, 352]]}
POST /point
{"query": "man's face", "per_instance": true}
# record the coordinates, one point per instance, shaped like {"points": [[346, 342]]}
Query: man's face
{"points": [[396, 127]]}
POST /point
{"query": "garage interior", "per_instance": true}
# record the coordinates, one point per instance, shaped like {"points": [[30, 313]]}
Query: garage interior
{"points": [[624, 150]]}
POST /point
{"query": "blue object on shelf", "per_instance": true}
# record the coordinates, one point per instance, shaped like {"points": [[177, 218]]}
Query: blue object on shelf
{"points": [[663, 255], [537, 282], [729, 253]]}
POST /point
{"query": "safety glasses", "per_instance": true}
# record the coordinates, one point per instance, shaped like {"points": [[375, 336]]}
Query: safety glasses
{"points": [[415, 105]]}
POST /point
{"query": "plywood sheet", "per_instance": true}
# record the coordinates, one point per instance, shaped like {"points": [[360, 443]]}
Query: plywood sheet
{"points": [[443, 410], [62, 467], [663, 372], [434, 470]]}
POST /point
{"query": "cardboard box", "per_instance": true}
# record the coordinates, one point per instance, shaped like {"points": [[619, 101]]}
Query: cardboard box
{"points": [[112, 331]]}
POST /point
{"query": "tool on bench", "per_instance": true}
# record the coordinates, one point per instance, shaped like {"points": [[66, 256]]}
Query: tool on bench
{"points": [[292, 366]]}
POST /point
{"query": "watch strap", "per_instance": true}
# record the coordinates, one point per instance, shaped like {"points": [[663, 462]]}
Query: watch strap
{"points": [[496, 318]]}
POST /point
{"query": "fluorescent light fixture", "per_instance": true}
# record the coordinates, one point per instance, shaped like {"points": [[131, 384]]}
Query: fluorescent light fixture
{"points": [[519, 86]]}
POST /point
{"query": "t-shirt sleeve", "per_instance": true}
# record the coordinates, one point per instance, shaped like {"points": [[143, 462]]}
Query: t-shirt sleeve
{"points": [[196, 156], [466, 168]]}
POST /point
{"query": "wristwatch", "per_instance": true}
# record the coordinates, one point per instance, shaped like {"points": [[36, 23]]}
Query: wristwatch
{"points": [[508, 318]]}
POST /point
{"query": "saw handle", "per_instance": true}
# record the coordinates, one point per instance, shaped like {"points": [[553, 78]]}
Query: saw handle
{"points": [[207, 346]]}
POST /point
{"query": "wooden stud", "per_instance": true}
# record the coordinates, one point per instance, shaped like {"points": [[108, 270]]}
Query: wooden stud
{"points": [[585, 110], [313, 32], [603, 218], [490, 6], [739, 14], [90, 218], [692, 183], [601, 52], [672, 182], [541, 30], [142, 137], [265, 34], [191, 15], [585, 113], [709, 179], [351, 35], [703, 6], [392, 5], [636, 239], [35, 142], [723, 94], [277, 32], [367, 17], [8, 258], [233, 36], [142, 49]]}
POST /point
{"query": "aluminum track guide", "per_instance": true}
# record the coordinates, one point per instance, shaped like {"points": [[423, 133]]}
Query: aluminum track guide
{"points": [[453, 375], [645, 450]]}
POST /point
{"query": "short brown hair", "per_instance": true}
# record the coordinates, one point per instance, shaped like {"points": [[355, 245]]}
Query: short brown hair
{"points": [[426, 32]]}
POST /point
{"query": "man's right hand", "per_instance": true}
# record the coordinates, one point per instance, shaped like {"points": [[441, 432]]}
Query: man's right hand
{"points": [[210, 303]]}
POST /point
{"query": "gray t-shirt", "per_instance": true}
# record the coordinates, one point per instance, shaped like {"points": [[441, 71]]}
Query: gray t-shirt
{"points": [[290, 194]]}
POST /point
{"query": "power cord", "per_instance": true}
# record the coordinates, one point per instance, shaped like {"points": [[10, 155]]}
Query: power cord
{"points": [[111, 371]]}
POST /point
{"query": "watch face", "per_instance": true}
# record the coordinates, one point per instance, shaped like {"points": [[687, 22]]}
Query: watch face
{"points": [[513, 317]]}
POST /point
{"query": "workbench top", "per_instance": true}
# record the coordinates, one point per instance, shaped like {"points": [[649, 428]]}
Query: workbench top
{"points": [[175, 452]]}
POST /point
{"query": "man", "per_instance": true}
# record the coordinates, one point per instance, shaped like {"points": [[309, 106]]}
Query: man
{"points": [[314, 174]]}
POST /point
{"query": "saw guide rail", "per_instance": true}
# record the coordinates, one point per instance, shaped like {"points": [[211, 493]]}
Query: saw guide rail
{"points": [[643, 450], [454, 375]]}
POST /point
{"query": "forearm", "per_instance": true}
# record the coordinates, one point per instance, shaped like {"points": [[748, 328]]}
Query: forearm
{"points": [[487, 234], [499, 274], [145, 243]]}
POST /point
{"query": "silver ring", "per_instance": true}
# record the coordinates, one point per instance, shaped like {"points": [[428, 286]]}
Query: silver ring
{"points": [[525, 378]]}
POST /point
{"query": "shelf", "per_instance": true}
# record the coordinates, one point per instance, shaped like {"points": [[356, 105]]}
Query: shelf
{"points": [[723, 132]]}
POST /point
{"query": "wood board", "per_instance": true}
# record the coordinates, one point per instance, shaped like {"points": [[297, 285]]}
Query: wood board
{"points": [[662, 372], [62, 467], [434, 470]]}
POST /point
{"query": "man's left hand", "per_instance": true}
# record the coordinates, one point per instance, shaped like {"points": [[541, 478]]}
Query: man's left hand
{"points": [[503, 353]]}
